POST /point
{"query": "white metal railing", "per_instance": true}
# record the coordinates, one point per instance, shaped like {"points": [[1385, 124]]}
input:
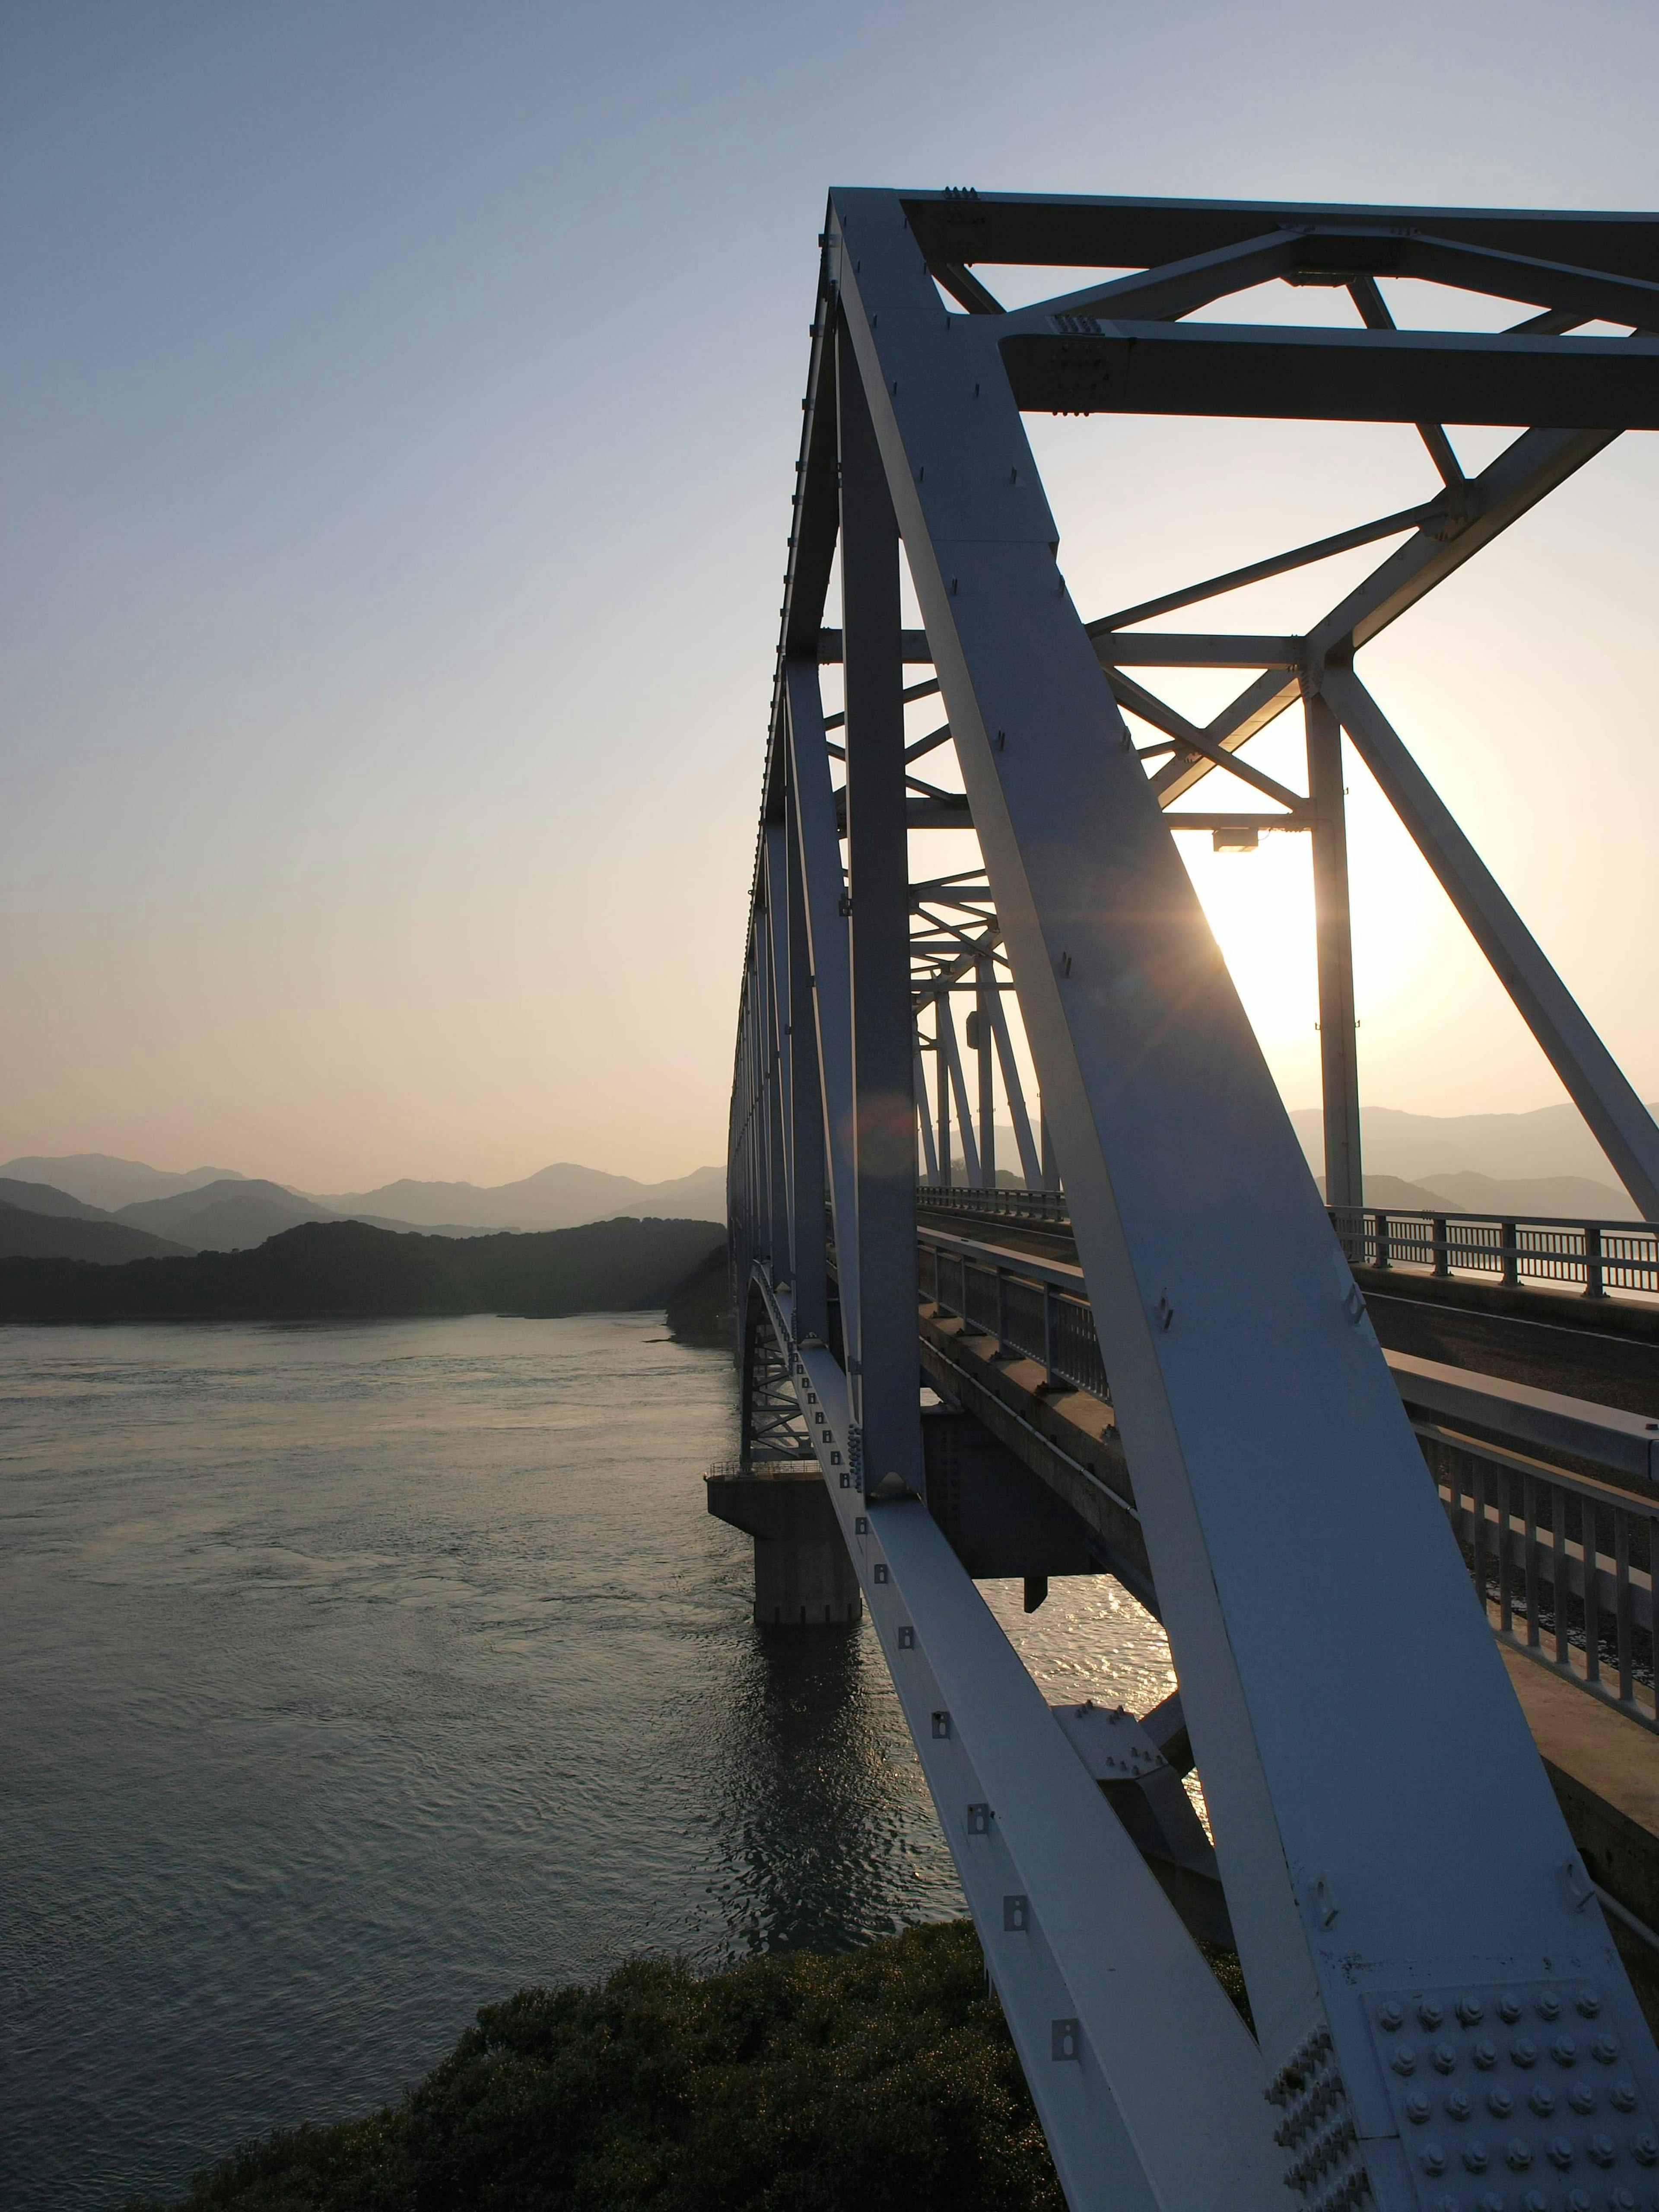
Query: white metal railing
{"points": [[1599, 1255], [1564, 1563], [1029, 1306]]}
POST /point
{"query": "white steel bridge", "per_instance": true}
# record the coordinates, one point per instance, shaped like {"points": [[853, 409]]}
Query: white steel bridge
{"points": [[1159, 1359]]}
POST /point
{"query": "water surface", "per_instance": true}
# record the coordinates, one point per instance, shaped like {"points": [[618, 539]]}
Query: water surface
{"points": [[356, 1675]]}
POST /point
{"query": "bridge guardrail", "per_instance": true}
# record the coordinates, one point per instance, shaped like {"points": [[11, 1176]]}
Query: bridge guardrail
{"points": [[1024, 1304], [1567, 1562], [1601, 1255]]}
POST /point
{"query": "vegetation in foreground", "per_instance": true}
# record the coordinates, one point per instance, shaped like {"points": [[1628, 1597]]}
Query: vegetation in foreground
{"points": [[879, 2078]]}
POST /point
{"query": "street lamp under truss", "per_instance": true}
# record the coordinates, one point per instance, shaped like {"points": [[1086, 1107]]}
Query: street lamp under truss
{"points": [[1434, 1992]]}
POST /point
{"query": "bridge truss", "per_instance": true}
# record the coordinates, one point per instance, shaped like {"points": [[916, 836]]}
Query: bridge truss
{"points": [[1413, 1923]]}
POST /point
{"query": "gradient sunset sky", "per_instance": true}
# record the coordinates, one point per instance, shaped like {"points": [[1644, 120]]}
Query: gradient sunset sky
{"points": [[401, 407]]}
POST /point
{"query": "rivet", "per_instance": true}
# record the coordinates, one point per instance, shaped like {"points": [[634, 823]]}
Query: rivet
{"points": [[1524, 2051], [1445, 2058], [1549, 2006], [1564, 2050], [1588, 2002], [1605, 2050], [1430, 2013], [1434, 2157], [1390, 2016], [1559, 2153], [1622, 2096], [1457, 2104], [1542, 2100], [1581, 2097], [1484, 2054], [1509, 2009], [1476, 2157], [1500, 2103], [1601, 2150], [1517, 2154]]}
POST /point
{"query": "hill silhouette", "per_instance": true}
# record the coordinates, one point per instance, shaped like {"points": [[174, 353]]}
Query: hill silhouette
{"points": [[27, 1235], [557, 1197], [333, 1268], [46, 1198], [100, 1180]]}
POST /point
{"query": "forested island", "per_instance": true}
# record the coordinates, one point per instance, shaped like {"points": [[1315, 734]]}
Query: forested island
{"points": [[327, 1269]]}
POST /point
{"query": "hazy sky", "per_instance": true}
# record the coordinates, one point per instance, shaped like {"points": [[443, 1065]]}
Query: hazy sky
{"points": [[401, 402]]}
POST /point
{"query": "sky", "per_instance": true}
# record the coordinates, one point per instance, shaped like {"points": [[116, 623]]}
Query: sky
{"points": [[401, 406]]}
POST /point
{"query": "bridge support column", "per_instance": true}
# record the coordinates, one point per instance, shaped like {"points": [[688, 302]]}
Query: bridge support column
{"points": [[804, 1577], [1338, 1061]]}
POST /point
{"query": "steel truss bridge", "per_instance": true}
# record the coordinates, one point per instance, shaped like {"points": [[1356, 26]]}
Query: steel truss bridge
{"points": [[1440, 2019]]}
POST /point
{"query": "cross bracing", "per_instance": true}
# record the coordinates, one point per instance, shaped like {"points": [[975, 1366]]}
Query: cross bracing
{"points": [[1354, 1778]]}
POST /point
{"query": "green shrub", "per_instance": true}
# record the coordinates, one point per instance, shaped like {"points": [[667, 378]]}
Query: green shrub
{"points": [[879, 2078]]}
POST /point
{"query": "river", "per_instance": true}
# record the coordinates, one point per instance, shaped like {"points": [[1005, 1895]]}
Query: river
{"points": [[357, 1675]]}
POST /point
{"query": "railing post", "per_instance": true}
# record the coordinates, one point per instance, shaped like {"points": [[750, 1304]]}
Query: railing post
{"points": [[1509, 1245], [1594, 1287], [1382, 1259], [1442, 1244], [1050, 1333], [1002, 1309]]}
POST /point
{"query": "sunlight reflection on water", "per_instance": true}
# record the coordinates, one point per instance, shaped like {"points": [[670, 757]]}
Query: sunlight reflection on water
{"points": [[363, 1672]]}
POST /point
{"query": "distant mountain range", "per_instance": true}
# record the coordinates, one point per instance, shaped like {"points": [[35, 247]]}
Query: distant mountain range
{"points": [[61, 1216], [100, 1180], [65, 1230], [1550, 1146], [1568, 1198], [559, 1197]]}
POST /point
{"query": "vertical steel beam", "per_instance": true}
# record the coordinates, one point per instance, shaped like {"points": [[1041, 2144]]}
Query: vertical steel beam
{"points": [[942, 1094], [779, 1106], [888, 1379], [985, 978], [929, 1156], [1618, 1120], [1029, 1167], [1339, 1060], [947, 1030], [1050, 1164], [808, 1189], [826, 930], [1348, 1798]]}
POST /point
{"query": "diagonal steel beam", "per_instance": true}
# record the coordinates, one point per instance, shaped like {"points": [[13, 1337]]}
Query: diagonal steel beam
{"points": [[1347, 1799], [1617, 1118], [1525, 471]]}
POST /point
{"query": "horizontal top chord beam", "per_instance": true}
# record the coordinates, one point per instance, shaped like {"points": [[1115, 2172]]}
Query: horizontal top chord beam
{"points": [[1085, 231], [1320, 374]]}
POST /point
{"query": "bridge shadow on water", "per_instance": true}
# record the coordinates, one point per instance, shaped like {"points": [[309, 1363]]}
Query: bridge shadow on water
{"points": [[831, 1835]]}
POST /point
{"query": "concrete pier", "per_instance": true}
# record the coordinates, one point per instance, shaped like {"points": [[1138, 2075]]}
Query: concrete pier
{"points": [[803, 1576]]}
